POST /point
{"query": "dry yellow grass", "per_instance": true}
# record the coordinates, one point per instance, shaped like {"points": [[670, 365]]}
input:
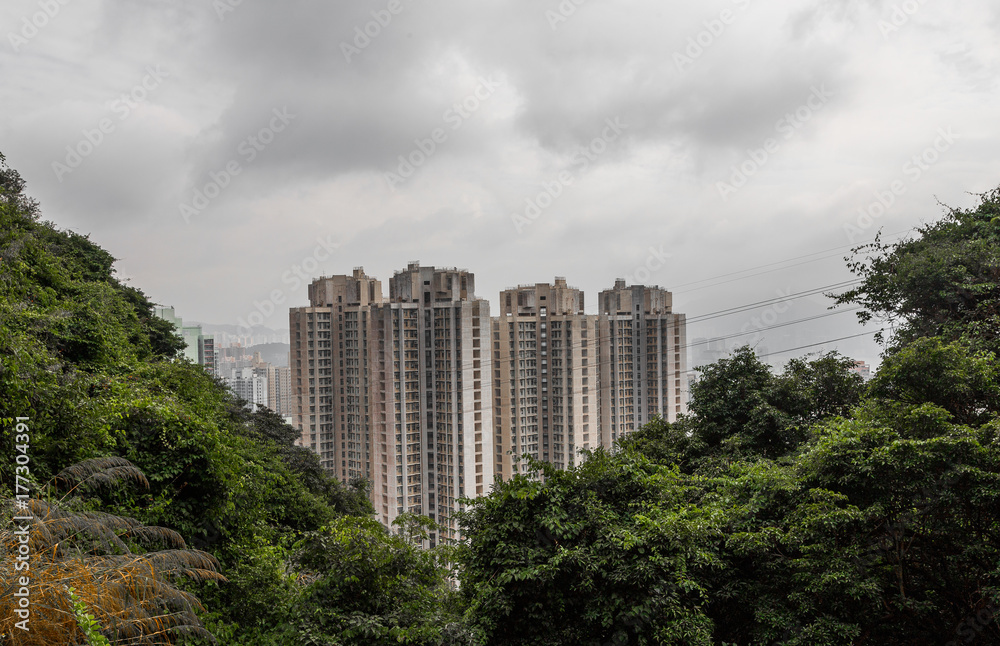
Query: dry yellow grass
{"points": [[131, 593]]}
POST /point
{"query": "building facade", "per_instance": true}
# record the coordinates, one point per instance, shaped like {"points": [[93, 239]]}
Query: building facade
{"points": [[330, 372], [545, 378], [428, 398], [642, 357], [250, 384], [434, 393], [199, 348], [279, 395], [397, 391]]}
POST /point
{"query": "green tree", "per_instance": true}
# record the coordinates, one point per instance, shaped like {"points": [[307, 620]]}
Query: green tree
{"points": [[357, 583], [613, 551], [945, 281], [741, 410]]}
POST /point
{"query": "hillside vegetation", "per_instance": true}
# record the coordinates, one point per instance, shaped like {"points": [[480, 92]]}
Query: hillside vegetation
{"points": [[799, 508], [83, 357]]}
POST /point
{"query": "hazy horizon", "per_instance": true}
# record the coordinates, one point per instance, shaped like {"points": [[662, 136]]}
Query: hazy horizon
{"points": [[228, 152]]}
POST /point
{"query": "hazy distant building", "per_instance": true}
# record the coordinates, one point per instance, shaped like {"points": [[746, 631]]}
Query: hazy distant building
{"points": [[280, 391], [545, 379], [226, 335], [705, 351], [249, 384], [643, 359], [199, 348], [862, 368], [233, 360]]}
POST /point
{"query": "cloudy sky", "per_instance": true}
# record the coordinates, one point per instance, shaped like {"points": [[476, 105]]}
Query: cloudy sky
{"points": [[227, 150]]}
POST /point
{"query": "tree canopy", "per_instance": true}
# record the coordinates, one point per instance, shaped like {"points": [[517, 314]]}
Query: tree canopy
{"points": [[801, 507]]}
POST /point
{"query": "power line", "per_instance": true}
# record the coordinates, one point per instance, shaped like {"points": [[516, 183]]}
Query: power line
{"points": [[741, 271], [770, 301], [579, 343], [771, 264], [759, 273], [771, 327], [853, 336]]}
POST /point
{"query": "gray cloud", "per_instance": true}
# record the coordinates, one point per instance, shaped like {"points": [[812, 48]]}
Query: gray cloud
{"points": [[700, 87]]}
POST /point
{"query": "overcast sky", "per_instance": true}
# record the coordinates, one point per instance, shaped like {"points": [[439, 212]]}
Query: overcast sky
{"points": [[221, 150]]}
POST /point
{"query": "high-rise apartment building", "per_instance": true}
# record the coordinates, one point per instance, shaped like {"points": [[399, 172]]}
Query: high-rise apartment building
{"points": [[330, 365], [279, 396], [230, 365], [643, 359], [199, 348], [249, 384], [433, 419], [545, 376], [862, 369], [398, 391], [427, 397]]}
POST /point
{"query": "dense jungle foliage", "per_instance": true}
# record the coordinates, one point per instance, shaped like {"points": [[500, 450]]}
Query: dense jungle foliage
{"points": [[800, 508]]}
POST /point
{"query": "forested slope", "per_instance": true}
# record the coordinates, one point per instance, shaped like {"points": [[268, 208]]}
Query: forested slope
{"points": [[84, 359]]}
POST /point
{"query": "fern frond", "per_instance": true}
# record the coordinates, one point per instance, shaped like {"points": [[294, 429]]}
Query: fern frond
{"points": [[150, 535], [169, 560], [98, 473], [132, 595]]}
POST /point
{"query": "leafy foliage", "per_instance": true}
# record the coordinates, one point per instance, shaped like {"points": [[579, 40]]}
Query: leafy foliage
{"points": [[359, 584], [612, 551], [83, 357], [800, 508], [739, 409], [820, 511], [82, 561], [945, 282]]}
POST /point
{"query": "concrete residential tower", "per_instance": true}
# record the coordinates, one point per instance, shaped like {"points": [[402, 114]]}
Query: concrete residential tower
{"points": [[433, 372], [643, 361], [398, 391], [330, 364], [428, 398], [545, 378]]}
